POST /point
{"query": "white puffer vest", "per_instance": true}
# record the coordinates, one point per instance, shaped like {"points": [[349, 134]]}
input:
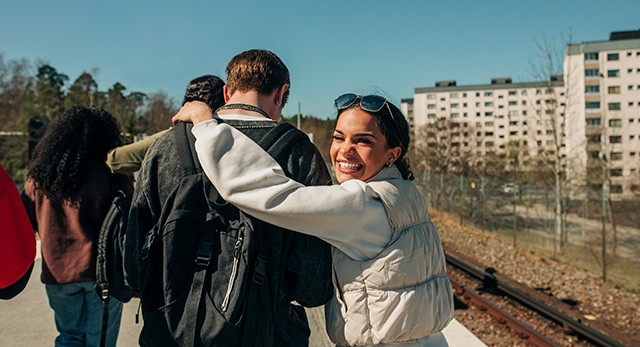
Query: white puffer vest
{"points": [[403, 294]]}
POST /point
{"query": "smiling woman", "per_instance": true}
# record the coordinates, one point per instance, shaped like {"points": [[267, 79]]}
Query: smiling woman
{"points": [[384, 244]]}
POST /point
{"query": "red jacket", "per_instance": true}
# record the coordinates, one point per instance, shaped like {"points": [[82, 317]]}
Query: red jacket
{"points": [[18, 245]]}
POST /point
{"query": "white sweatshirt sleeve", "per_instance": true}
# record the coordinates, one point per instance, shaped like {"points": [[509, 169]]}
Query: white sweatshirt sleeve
{"points": [[349, 216]]}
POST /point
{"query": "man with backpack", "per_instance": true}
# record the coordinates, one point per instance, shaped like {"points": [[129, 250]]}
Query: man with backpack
{"points": [[268, 269]]}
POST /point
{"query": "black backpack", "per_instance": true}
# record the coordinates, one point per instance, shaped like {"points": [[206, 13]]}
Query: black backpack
{"points": [[109, 263], [202, 265]]}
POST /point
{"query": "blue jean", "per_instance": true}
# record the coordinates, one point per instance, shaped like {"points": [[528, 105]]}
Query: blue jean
{"points": [[78, 315]]}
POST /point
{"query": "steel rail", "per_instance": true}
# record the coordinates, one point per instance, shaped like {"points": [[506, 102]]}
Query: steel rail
{"points": [[526, 299], [521, 329]]}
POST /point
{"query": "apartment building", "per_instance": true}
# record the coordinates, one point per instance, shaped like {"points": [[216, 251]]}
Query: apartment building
{"points": [[604, 80], [496, 113], [593, 110]]}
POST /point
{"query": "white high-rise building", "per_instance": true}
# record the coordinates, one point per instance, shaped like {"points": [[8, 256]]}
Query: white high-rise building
{"points": [[605, 79]]}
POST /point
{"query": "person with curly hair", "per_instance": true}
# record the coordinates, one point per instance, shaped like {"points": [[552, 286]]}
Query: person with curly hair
{"points": [[67, 196]]}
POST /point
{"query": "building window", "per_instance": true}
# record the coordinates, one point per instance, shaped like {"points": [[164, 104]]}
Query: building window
{"points": [[479, 124], [613, 73], [524, 113], [513, 133], [592, 89], [613, 56], [594, 139], [513, 92], [630, 87], [443, 108], [488, 144], [464, 104], [453, 95], [632, 137], [593, 122], [538, 91], [615, 139], [464, 95], [488, 93], [632, 154], [432, 115], [630, 103], [488, 103], [538, 112], [631, 121], [591, 56], [614, 89], [513, 122], [477, 104], [537, 102], [539, 132], [454, 105], [442, 99], [616, 155], [615, 172], [477, 94], [591, 72], [488, 133], [454, 115], [431, 96], [629, 70], [614, 106], [431, 106], [524, 92], [500, 96], [501, 106], [488, 114], [501, 126], [477, 114], [465, 114], [628, 54], [512, 103], [615, 189], [524, 102], [549, 132], [513, 113], [524, 132], [592, 105], [616, 123], [489, 124]]}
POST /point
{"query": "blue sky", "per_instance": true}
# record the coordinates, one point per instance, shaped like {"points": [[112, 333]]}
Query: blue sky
{"points": [[330, 47]]}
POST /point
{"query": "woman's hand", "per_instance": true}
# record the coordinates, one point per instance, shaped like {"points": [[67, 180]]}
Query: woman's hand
{"points": [[193, 112]]}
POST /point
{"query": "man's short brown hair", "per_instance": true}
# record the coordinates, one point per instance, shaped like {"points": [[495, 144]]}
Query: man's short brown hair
{"points": [[258, 70]]}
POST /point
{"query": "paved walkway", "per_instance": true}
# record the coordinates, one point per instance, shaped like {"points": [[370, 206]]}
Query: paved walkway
{"points": [[27, 320]]}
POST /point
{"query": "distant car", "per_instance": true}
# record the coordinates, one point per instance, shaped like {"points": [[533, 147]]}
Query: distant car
{"points": [[508, 188]]}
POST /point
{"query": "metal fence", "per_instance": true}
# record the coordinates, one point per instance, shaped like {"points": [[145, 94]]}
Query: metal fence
{"points": [[520, 210]]}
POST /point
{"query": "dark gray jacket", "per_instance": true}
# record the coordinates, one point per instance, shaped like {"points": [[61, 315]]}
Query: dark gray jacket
{"points": [[299, 265]]}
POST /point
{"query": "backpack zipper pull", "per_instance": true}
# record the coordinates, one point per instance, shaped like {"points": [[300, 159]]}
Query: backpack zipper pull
{"points": [[234, 271]]}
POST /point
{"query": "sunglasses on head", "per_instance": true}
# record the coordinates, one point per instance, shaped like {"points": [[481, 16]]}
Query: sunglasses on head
{"points": [[370, 103]]}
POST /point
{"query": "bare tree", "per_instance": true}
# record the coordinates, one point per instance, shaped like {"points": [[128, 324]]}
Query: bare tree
{"points": [[548, 127]]}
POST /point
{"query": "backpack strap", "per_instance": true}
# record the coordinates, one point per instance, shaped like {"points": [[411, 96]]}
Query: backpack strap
{"points": [[280, 139], [185, 144]]}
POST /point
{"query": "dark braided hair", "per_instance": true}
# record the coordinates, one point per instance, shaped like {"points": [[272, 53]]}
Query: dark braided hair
{"points": [[73, 138], [207, 89], [395, 129]]}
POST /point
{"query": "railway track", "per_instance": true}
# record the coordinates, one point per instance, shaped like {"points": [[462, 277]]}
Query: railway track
{"points": [[551, 309]]}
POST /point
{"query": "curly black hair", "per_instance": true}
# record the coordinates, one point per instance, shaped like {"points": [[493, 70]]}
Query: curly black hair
{"points": [[208, 89], [70, 141]]}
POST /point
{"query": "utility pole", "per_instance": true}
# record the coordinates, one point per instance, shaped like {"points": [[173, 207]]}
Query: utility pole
{"points": [[483, 203], [461, 200], [515, 215], [604, 236]]}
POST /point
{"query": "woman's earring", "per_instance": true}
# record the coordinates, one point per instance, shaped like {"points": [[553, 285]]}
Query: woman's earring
{"points": [[278, 103]]}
